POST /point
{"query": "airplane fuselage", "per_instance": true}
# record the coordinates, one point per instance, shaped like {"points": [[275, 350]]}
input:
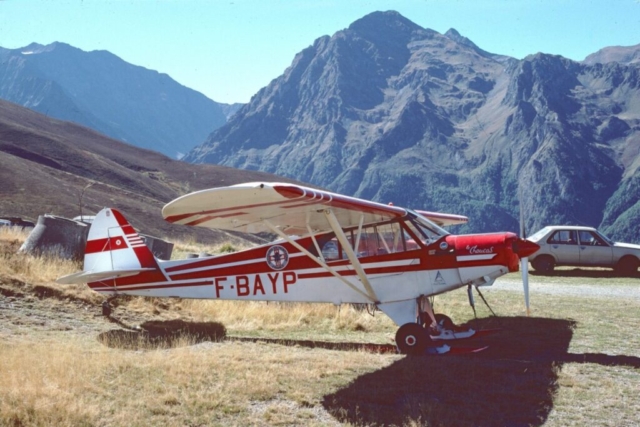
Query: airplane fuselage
{"points": [[256, 274]]}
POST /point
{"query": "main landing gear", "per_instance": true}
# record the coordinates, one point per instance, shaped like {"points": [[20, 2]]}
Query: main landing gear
{"points": [[416, 338], [412, 338]]}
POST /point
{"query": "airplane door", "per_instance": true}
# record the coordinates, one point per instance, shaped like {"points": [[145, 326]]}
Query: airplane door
{"points": [[594, 250], [564, 245]]}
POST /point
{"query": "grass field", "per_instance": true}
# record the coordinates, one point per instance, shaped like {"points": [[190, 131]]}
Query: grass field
{"points": [[574, 362]]}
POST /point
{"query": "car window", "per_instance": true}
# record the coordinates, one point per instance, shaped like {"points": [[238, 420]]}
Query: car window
{"points": [[589, 238], [538, 234], [563, 237]]}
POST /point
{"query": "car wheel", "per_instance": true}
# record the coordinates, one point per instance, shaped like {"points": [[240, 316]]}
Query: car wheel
{"points": [[544, 264], [627, 266]]}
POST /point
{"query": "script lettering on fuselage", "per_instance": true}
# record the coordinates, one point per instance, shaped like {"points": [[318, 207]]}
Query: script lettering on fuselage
{"points": [[475, 250], [256, 284]]}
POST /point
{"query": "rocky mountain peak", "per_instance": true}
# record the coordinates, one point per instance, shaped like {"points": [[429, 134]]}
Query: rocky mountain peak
{"points": [[388, 111], [622, 54], [36, 48], [388, 22]]}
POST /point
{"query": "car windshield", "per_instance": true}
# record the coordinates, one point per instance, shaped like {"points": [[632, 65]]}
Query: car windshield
{"points": [[606, 239], [539, 234]]}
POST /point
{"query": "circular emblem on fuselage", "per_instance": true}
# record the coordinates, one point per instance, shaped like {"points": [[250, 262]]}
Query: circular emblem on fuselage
{"points": [[277, 257]]}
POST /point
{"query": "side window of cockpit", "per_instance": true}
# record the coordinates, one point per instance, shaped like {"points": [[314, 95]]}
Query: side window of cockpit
{"points": [[331, 250], [379, 239], [390, 238], [367, 243]]}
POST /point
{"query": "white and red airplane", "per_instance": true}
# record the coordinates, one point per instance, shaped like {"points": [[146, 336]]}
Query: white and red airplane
{"points": [[333, 249]]}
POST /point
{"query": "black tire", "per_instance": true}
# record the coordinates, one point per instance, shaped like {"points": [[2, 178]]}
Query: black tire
{"points": [[627, 266], [544, 264], [411, 338]]}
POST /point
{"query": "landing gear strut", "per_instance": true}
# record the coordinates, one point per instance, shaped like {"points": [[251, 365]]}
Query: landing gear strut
{"points": [[106, 305], [440, 326]]}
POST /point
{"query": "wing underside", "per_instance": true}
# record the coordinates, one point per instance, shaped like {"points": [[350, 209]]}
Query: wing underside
{"points": [[293, 209]]}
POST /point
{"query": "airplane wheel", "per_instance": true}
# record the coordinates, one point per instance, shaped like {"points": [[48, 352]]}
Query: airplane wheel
{"points": [[412, 338]]}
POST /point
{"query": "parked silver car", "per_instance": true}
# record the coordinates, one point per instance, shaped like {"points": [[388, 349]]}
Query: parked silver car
{"points": [[582, 247]]}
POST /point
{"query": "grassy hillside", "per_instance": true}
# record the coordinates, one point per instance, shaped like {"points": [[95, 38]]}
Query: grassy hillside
{"points": [[56, 167]]}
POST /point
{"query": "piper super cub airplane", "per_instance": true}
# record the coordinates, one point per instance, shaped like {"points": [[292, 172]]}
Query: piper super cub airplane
{"points": [[333, 249]]}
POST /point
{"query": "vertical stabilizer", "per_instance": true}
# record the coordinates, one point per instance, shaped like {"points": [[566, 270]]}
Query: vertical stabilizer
{"points": [[113, 244], [114, 249]]}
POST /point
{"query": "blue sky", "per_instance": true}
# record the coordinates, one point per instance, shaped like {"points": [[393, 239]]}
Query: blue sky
{"points": [[229, 49]]}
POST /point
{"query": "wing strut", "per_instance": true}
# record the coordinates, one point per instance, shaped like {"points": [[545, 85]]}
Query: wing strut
{"points": [[346, 246], [315, 242], [316, 259]]}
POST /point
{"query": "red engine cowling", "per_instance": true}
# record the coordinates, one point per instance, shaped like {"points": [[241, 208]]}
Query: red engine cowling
{"points": [[493, 248]]}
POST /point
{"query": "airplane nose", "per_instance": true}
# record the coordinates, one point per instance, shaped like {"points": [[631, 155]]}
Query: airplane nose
{"points": [[523, 248]]}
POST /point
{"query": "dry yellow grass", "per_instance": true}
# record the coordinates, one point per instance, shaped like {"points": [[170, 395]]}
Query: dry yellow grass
{"points": [[27, 271], [574, 362], [77, 383], [182, 248], [29, 267]]}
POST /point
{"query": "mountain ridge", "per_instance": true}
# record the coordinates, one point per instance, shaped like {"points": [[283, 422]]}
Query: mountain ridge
{"points": [[389, 111], [100, 90], [60, 168]]}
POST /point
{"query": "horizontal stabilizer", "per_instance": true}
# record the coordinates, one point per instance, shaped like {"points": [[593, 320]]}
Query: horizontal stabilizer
{"points": [[97, 276]]}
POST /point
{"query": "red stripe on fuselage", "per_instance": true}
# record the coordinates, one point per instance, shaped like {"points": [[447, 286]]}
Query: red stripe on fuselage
{"points": [[167, 285]]}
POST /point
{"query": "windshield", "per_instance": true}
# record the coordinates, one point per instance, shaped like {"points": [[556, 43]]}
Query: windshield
{"points": [[608, 240], [429, 231], [539, 234]]}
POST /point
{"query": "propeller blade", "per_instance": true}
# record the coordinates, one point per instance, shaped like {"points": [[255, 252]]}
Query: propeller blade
{"points": [[524, 266], [526, 250]]}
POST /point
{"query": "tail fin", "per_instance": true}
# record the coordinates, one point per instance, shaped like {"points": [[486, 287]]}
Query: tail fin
{"points": [[114, 249]]}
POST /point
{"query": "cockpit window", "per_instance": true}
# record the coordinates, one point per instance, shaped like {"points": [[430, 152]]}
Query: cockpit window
{"points": [[372, 240], [425, 230], [331, 250]]}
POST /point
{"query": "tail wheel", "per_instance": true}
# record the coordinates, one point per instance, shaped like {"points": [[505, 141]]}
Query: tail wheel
{"points": [[544, 264], [412, 338]]}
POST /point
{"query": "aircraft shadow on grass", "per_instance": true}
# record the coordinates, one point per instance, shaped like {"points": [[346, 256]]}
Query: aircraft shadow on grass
{"points": [[161, 334], [512, 382]]}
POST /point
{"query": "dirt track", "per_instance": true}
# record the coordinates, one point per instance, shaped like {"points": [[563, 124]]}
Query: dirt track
{"points": [[552, 287]]}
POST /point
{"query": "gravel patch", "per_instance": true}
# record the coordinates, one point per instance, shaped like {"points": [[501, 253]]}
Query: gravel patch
{"points": [[550, 288]]}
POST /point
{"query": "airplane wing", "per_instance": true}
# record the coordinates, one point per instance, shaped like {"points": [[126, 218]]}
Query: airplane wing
{"points": [[443, 219], [293, 209]]}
